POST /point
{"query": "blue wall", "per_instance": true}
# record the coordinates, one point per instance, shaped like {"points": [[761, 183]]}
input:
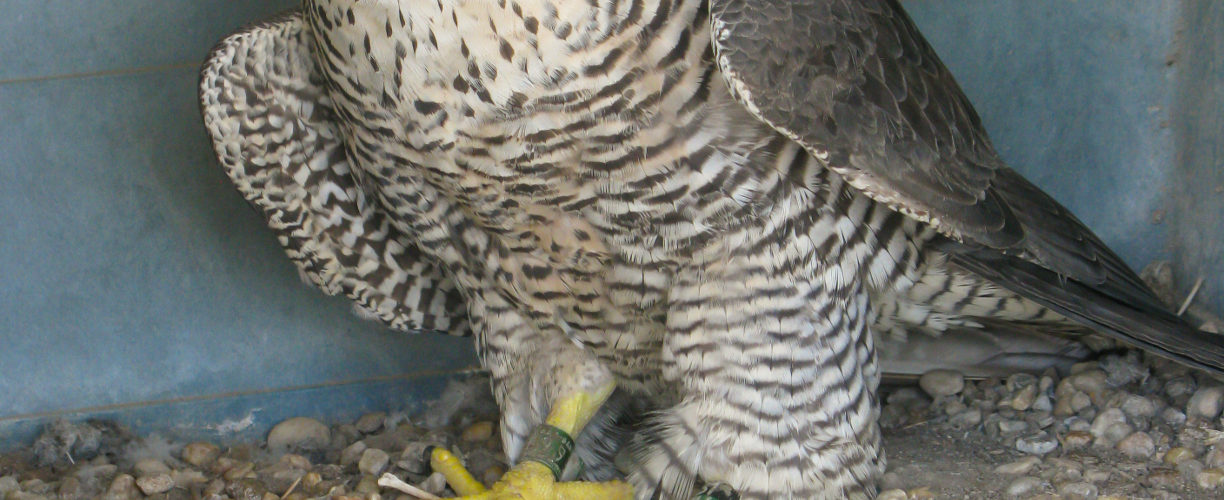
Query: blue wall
{"points": [[131, 271], [135, 283]]}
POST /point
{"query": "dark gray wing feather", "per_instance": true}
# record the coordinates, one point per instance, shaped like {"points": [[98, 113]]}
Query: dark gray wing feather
{"points": [[856, 84]]}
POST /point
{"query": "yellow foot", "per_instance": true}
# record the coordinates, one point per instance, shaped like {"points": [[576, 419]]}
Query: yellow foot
{"points": [[526, 481]]}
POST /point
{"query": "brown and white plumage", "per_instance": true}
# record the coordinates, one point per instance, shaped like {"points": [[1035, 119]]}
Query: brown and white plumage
{"points": [[706, 202]]}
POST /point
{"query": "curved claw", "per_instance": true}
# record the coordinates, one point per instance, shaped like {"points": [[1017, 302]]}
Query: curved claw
{"points": [[528, 481]]}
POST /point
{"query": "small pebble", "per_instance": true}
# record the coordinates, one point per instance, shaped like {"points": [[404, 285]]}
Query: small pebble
{"points": [[367, 484], [373, 461], [492, 475], [477, 432], [200, 454], [299, 433], [352, 453], [8, 484], [966, 419], [1078, 491], [370, 422], [1080, 401], [1096, 475], [921, 493], [188, 477], [1173, 416], [1138, 446], [70, 487], [892, 495], [942, 382], [1135, 406], [435, 483], [1106, 419], [1010, 427], [1177, 455], [1206, 402], [1210, 479], [1162, 477], [1042, 403], [1023, 486], [150, 467], [1190, 468], [1075, 440], [1179, 387], [123, 486], [1214, 458], [1037, 444], [154, 484], [1019, 467]]}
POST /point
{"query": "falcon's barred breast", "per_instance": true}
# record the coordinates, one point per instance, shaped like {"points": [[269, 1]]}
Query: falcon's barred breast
{"points": [[711, 204]]}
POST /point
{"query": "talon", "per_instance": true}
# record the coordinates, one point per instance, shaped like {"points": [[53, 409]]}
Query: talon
{"points": [[544, 457], [457, 476]]}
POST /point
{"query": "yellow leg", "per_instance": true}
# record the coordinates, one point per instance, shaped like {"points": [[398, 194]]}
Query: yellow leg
{"points": [[534, 480]]}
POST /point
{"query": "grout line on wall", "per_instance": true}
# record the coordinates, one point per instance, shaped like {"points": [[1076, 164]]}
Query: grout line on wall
{"points": [[95, 74], [226, 395]]}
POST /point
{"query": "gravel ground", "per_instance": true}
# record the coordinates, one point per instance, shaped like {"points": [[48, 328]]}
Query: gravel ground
{"points": [[1124, 426]]}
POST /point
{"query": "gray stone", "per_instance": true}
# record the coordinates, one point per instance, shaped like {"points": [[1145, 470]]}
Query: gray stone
{"points": [[1178, 387], [1214, 458], [1080, 401], [1138, 446], [1010, 427], [942, 382], [150, 467], [893, 494], [156, 483], [373, 461], [1106, 419], [1173, 416], [435, 483], [1135, 406], [1023, 486], [1206, 403], [8, 484], [1037, 444], [1123, 369], [200, 454], [1078, 491], [1190, 468], [1024, 398], [352, 453], [1019, 467], [299, 433], [1042, 403], [123, 486], [966, 419], [1210, 479], [371, 422]]}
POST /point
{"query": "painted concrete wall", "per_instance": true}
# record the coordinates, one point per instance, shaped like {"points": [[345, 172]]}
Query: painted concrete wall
{"points": [[131, 271], [1115, 108], [135, 283]]}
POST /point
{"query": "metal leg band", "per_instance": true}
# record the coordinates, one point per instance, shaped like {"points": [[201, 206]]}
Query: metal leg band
{"points": [[550, 446]]}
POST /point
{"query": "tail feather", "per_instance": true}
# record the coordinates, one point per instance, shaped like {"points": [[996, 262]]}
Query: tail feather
{"points": [[1142, 323]]}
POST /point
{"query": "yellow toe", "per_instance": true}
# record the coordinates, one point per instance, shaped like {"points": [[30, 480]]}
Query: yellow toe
{"points": [[457, 476]]}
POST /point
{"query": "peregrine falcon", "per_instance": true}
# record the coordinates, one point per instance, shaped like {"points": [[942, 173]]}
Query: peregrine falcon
{"points": [[694, 211]]}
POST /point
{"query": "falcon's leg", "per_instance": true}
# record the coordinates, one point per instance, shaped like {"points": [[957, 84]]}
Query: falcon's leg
{"points": [[776, 375], [537, 372]]}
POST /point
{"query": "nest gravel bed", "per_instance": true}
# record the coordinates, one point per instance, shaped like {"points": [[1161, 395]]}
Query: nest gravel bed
{"points": [[1123, 426]]}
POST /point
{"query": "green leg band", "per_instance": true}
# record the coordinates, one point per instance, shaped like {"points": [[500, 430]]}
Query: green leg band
{"points": [[550, 446]]}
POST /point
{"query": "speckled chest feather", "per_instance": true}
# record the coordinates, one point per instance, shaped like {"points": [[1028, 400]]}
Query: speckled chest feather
{"points": [[575, 153]]}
